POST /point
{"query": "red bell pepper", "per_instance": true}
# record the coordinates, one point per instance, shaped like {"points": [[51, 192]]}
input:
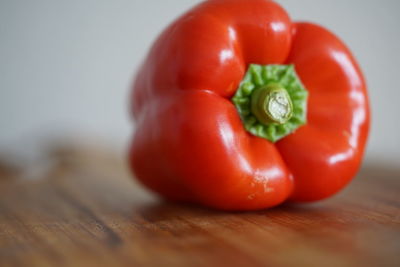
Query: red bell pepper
{"points": [[239, 108]]}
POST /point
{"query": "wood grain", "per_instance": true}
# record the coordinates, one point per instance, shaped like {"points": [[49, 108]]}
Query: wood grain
{"points": [[89, 212]]}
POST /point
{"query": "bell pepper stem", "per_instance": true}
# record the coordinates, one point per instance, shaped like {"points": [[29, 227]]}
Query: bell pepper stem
{"points": [[271, 104]]}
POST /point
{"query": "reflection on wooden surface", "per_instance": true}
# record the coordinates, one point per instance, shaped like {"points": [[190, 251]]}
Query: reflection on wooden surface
{"points": [[88, 212]]}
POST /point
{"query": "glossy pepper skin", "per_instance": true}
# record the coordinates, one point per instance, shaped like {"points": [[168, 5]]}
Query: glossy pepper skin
{"points": [[190, 144]]}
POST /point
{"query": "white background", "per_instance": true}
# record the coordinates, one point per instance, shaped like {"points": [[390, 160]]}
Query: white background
{"points": [[66, 66]]}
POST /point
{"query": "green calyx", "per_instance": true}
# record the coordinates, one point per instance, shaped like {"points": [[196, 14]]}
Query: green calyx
{"points": [[271, 101]]}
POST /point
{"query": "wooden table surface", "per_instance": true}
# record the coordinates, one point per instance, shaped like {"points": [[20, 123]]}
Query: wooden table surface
{"points": [[88, 212]]}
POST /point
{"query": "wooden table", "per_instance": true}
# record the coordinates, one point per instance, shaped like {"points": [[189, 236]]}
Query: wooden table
{"points": [[88, 212]]}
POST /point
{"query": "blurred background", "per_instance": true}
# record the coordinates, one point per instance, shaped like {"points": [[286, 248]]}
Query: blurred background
{"points": [[66, 66]]}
